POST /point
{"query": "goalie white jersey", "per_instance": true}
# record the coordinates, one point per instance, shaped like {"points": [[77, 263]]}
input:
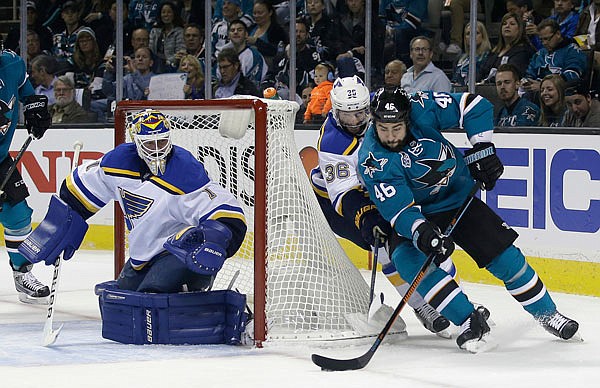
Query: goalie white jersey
{"points": [[154, 207]]}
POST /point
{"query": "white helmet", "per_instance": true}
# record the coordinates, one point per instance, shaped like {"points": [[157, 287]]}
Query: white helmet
{"points": [[350, 104], [151, 132]]}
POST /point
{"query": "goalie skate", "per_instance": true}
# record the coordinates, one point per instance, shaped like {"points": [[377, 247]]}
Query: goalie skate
{"points": [[29, 289], [433, 320], [561, 326]]}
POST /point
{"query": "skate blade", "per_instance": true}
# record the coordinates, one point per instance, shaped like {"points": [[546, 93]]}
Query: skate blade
{"points": [[444, 334], [33, 300], [576, 338], [485, 344]]}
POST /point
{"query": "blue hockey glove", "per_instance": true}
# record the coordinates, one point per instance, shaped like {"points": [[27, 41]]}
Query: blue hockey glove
{"points": [[371, 223], [202, 248], [429, 240], [484, 164], [62, 230], [37, 116]]}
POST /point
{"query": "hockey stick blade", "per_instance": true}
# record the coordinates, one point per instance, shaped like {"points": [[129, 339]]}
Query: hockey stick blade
{"points": [[50, 335], [332, 364]]}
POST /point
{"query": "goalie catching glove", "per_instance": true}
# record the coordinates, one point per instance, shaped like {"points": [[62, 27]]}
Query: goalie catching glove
{"points": [[373, 224], [484, 164], [202, 248], [429, 240], [37, 116]]}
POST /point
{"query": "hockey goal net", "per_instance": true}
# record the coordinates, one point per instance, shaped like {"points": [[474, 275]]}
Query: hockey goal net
{"points": [[296, 275]]}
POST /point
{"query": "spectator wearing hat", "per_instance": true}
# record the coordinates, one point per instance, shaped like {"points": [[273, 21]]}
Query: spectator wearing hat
{"points": [[66, 110], [34, 23], [166, 37], [64, 42], [583, 110], [43, 68], [86, 61]]}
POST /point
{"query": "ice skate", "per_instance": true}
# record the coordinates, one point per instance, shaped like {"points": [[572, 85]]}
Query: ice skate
{"points": [[474, 334], [561, 326], [29, 289], [433, 320], [485, 313]]}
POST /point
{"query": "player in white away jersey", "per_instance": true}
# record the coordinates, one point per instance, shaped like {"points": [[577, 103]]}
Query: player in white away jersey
{"points": [[182, 225]]}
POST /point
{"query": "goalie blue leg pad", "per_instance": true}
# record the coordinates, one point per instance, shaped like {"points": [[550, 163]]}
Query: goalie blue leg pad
{"points": [[165, 273], [16, 220], [522, 282], [438, 288], [131, 317]]}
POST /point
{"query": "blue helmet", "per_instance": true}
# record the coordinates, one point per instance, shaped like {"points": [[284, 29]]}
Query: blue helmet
{"points": [[151, 133]]}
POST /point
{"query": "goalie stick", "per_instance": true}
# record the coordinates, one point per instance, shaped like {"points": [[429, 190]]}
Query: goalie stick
{"points": [[50, 335], [13, 166], [332, 364]]}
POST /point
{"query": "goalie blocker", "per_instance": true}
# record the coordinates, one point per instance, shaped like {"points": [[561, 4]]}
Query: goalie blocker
{"points": [[130, 317]]}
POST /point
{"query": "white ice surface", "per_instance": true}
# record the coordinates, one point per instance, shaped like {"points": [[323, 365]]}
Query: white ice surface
{"points": [[526, 355]]}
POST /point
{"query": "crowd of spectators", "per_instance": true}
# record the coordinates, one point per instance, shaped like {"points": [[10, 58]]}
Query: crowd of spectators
{"points": [[543, 63]]}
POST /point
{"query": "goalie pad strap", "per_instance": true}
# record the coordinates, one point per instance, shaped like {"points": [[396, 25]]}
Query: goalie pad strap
{"points": [[61, 230]]}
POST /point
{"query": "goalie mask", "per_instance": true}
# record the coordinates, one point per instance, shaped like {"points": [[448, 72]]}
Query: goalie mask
{"points": [[350, 104], [151, 132]]}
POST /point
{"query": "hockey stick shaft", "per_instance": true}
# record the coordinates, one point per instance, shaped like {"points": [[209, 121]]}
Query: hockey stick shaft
{"points": [[360, 362], [374, 267], [50, 335], [13, 166]]}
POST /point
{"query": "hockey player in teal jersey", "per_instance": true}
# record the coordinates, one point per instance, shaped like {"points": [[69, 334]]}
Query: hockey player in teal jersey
{"points": [[15, 214], [342, 197], [417, 179]]}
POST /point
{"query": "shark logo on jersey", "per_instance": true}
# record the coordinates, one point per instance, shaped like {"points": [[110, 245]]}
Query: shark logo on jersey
{"points": [[5, 114], [438, 171], [529, 113], [372, 164], [418, 97], [134, 206]]}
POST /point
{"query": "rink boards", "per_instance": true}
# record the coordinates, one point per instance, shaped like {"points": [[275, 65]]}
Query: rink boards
{"points": [[550, 193]]}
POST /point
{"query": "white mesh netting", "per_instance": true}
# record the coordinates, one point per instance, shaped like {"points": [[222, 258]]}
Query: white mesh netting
{"points": [[313, 291]]}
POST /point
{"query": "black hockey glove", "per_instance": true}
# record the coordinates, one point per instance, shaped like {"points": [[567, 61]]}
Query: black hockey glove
{"points": [[371, 223], [429, 240], [484, 164], [37, 116]]}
